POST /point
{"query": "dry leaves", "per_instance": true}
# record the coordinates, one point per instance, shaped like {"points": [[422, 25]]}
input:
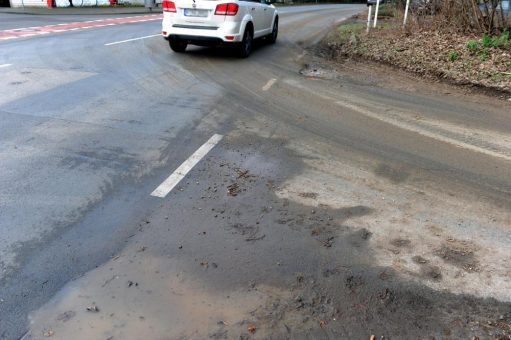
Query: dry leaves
{"points": [[48, 333], [233, 189], [251, 329], [426, 51]]}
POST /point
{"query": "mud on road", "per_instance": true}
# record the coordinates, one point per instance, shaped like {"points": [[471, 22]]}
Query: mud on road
{"points": [[361, 204], [267, 261]]}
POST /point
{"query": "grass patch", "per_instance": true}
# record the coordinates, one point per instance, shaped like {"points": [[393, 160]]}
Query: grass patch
{"points": [[345, 32], [472, 45], [355, 28], [387, 11], [486, 42], [496, 41], [484, 55], [497, 77], [453, 55]]}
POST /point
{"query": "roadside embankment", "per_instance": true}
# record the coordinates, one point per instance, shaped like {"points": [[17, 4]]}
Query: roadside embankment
{"points": [[459, 58]]}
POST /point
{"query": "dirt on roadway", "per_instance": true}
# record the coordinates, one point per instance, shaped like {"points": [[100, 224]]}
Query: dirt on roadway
{"points": [[297, 258], [278, 234]]}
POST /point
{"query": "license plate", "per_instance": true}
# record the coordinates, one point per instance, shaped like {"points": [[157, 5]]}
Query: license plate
{"points": [[189, 12]]}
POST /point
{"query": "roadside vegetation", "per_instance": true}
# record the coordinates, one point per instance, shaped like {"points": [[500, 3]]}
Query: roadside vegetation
{"points": [[461, 47]]}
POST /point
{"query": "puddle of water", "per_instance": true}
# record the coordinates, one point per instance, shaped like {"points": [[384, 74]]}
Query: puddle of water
{"points": [[143, 297]]}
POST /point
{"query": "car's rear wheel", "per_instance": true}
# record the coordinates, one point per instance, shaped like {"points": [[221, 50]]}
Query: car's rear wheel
{"points": [[178, 46], [272, 38], [245, 47]]}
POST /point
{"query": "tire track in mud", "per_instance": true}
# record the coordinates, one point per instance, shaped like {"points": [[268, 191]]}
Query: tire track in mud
{"points": [[491, 143]]}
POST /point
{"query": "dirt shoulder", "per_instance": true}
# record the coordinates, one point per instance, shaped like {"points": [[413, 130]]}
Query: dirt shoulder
{"points": [[461, 59]]}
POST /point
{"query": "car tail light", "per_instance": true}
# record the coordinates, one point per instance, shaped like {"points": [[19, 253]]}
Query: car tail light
{"points": [[226, 9], [168, 6]]}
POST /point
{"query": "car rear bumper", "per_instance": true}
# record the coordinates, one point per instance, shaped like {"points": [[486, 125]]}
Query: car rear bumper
{"points": [[200, 34], [196, 40]]}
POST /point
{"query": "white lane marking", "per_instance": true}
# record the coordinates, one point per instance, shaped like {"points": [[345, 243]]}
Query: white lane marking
{"points": [[5, 65], [269, 84], [128, 40], [169, 184]]}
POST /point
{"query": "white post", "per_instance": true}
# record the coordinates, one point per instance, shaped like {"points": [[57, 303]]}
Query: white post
{"points": [[376, 12], [369, 18], [406, 12]]}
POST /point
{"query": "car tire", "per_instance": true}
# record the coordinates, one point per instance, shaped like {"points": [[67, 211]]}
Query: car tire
{"points": [[245, 47], [178, 46], [272, 38]]}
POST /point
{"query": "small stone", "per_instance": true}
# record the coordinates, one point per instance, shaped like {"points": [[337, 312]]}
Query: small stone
{"points": [[93, 309]]}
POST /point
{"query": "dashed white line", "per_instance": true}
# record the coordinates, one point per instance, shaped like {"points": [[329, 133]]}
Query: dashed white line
{"points": [[128, 40], [169, 184], [269, 84], [5, 65]]}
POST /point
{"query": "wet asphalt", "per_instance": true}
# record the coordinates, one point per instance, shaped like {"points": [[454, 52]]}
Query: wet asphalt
{"points": [[88, 131]]}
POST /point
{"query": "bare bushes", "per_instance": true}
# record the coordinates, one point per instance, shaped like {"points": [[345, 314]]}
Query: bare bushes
{"points": [[475, 16]]}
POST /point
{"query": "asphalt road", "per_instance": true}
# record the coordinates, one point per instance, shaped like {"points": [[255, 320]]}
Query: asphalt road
{"points": [[341, 201]]}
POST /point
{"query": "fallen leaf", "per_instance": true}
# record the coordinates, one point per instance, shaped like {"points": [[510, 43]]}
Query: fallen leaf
{"points": [[48, 333], [251, 329], [233, 189]]}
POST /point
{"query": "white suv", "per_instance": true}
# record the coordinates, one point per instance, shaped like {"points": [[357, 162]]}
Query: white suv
{"points": [[216, 22]]}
